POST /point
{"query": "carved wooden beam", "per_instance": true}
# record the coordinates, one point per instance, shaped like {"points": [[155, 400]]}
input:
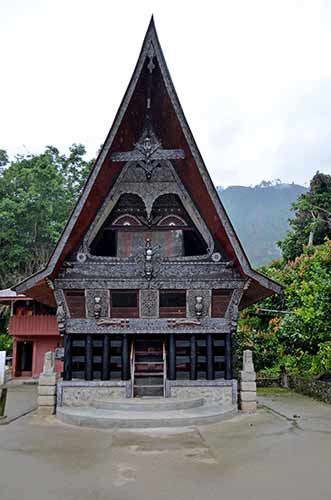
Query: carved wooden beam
{"points": [[173, 323], [122, 323]]}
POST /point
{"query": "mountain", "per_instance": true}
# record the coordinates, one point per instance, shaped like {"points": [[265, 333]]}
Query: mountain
{"points": [[260, 216]]}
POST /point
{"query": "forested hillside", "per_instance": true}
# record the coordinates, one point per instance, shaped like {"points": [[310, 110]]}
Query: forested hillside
{"points": [[260, 216]]}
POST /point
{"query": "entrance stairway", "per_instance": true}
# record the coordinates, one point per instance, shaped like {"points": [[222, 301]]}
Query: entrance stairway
{"points": [[145, 413], [148, 367]]}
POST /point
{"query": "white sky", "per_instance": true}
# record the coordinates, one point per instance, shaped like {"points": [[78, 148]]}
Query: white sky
{"points": [[253, 77]]}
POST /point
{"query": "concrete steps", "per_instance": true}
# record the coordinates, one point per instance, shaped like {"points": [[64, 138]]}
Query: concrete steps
{"points": [[153, 404], [152, 417]]}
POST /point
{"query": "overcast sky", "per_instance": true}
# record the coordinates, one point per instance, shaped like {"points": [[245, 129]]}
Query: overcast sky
{"points": [[253, 77]]}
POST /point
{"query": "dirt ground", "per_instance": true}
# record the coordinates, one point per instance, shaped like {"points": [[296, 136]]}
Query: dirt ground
{"points": [[282, 452]]}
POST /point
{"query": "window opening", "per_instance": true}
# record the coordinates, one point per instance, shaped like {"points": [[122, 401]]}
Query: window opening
{"points": [[124, 304], [172, 304]]}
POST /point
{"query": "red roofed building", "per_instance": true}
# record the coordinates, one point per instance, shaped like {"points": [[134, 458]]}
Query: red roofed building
{"points": [[34, 329]]}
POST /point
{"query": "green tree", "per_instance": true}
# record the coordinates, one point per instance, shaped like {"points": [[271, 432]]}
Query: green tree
{"points": [[299, 333], [3, 158], [312, 221], [37, 193]]}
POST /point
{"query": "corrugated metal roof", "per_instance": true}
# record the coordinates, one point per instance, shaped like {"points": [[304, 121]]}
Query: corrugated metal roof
{"points": [[33, 325], [9, 294]]}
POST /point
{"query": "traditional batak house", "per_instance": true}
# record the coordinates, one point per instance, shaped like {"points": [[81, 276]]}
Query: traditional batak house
{"points": [[148, 276], [34, 329]]}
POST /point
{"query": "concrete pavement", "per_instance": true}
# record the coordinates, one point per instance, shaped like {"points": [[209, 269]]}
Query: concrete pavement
{"points": [[21, 399], [258, 457]]}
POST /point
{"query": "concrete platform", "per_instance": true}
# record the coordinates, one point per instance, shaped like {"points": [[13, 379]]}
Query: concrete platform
{"points": [[152, 417]]}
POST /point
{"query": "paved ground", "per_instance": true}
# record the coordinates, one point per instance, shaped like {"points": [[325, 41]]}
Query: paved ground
{"points": [[260, 457], [21, 399]]}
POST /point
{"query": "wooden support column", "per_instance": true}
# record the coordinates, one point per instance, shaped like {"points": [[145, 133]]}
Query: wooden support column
{"points": [[105, 372], [67, 362], [172, 357], [88, 357], [193, 358], [125, 358], [210, 357], [228, 356]]}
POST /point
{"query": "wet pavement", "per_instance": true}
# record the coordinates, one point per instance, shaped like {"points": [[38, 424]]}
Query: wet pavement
{"points": [[272, 455]]}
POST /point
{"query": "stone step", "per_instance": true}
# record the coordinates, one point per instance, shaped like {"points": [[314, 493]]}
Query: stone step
{"points": [[101, 418], [148, 379], [148, 390], [154, 404]]}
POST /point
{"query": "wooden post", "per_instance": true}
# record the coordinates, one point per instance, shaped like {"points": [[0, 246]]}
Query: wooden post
{"points": [[210, 357], [67, 357], [228, 356], [125, 358], [105, 373], [88, 357], [172, 357], [193, 358]]}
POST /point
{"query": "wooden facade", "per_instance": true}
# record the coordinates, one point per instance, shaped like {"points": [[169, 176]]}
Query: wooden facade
{"points": [[149, 276], [34, 330]]}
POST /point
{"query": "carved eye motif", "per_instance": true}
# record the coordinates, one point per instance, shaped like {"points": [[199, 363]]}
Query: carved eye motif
{"points": [[126, 220], [81, 257], [216, 257], [172, 220]]}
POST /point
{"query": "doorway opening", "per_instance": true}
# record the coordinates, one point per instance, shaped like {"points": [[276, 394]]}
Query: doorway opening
{"points": [[24, 359]]}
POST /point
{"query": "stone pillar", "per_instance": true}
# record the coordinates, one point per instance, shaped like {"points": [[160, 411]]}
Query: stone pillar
{"points": [[47, 386], [2, 367], [247, 385]]}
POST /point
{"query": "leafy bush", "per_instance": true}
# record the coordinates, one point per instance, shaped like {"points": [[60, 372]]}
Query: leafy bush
{"points": [[6, 342], [321, 363]]}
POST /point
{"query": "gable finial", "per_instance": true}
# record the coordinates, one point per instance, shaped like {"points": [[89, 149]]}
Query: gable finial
{"points": [[150, 55]]}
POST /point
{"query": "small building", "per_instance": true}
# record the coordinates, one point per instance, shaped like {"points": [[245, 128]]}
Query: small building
{"points": [[148, 276], [34, 329]]}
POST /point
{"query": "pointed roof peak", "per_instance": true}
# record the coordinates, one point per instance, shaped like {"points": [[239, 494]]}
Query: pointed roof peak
{"points": [[151, 30]]}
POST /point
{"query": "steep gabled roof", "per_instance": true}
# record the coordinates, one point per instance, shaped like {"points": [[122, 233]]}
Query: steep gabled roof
{"points": [[171, 126]]}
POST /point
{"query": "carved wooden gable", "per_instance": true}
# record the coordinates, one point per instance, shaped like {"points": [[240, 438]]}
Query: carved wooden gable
{"points": [[155, 207]]}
